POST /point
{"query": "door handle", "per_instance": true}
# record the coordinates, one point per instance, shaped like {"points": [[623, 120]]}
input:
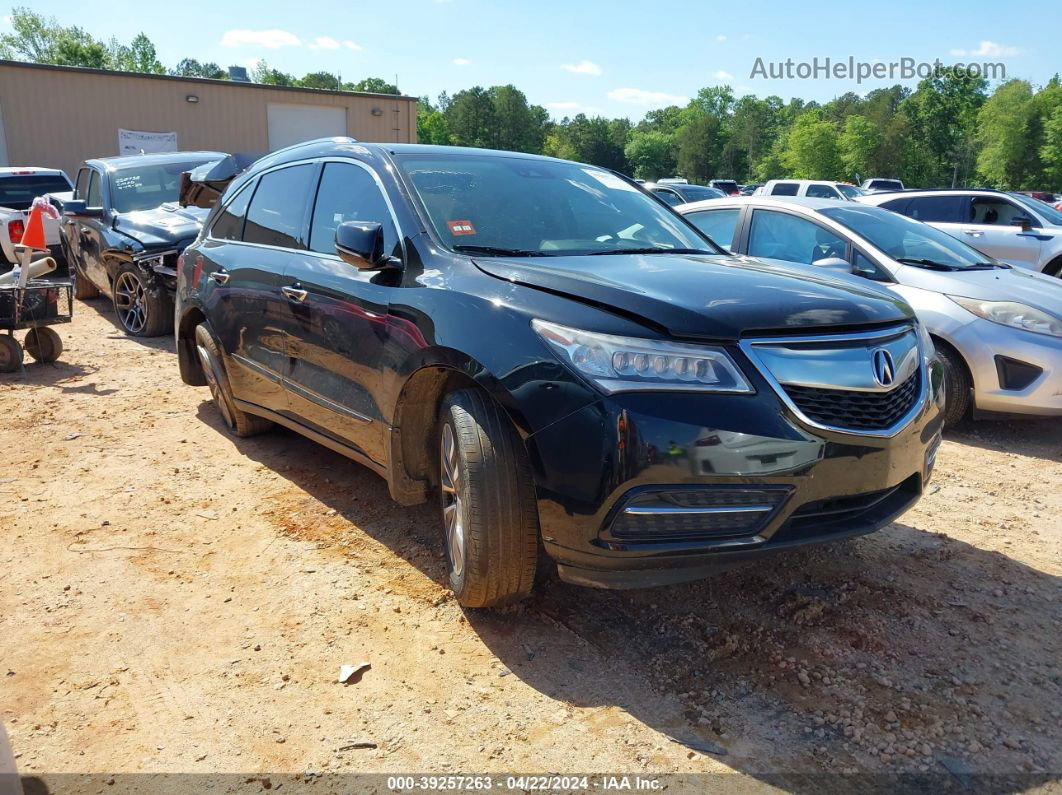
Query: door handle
{"points": [[294, 293], [973, 232], [219, 277]]}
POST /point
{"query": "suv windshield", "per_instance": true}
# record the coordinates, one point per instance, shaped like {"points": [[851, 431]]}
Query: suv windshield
{"points": [[517, 206], [18, 192], [907, 240], [1042, 209], [146, 187], [851, 191]]}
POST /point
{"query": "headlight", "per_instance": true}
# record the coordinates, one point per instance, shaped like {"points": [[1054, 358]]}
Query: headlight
{"points": [[625, 364], [1011, 313], [929, 350]]}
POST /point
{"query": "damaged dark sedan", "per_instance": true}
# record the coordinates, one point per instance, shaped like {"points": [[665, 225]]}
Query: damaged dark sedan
{"points": [[123, 230]]}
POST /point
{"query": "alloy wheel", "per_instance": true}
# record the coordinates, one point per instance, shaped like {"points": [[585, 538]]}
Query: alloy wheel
{"points": [[450, 481], [130, 301]]}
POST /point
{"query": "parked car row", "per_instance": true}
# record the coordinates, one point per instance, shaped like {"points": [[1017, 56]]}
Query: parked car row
{"points": [[996, 328], [559, 357]]}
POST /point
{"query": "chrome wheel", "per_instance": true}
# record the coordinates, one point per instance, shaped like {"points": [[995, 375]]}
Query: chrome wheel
{"points": [[130, 301], [215, 385], [450, 480]]}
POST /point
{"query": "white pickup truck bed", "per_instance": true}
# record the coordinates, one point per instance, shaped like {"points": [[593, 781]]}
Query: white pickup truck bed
{"points": [[18, 188]]}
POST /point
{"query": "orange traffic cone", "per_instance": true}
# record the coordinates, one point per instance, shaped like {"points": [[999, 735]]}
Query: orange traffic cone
{"points": [[33, 237]]}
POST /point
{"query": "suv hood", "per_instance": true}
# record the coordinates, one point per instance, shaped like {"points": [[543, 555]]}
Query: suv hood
{"points": [[706, 297], [165, 225]]}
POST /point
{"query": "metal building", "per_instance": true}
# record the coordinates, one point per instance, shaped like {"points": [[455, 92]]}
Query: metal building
{"points": [[58, 116]]}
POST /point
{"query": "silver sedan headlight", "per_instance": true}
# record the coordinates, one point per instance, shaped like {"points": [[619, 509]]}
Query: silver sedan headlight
{"points": [[1013, 314], [627, 364]]}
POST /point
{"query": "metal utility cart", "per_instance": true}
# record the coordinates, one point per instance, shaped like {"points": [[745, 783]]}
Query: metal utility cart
{"points": [[36, 306]]}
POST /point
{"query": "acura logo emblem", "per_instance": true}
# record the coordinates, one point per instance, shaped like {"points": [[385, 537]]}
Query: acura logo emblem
{"points": [[884, 369]]}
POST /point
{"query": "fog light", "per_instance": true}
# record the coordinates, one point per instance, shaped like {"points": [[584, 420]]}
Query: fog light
{"points": [[695, 513]]}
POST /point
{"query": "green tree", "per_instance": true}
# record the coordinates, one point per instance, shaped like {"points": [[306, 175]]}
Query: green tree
{"points": [[650, 154], [942, 116], [1051, 150], [322, 80], [587, 140], [859, 143], [813, 149], [1008, 153], [271, 77], [190, 67], [372, 85], [515, 127], [40, 39], [138, 56], [471, 117], [699, 147]]}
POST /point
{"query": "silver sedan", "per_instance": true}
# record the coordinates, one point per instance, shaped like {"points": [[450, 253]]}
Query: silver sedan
{"points": [[998, 329]]}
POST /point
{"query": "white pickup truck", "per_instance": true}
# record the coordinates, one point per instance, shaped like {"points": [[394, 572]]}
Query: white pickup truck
{"points": [[19, 186]]}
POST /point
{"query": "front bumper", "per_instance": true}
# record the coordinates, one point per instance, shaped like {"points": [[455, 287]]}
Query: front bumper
{"points": [[593, 465], [982, 341]]}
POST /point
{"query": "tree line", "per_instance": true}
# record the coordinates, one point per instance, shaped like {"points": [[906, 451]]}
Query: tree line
{"points": [[950, 130]]}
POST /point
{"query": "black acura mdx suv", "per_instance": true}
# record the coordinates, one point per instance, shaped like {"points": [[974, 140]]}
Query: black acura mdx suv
{"points": [[565, 362]]}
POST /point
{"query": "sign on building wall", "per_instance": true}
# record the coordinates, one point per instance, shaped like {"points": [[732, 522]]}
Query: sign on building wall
{"points": [[136, 142]]}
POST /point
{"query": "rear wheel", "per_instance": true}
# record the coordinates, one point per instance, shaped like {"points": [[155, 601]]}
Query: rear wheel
{"points": [[490, 519], [1054, 268], [143, 309], [957, 386], [10, 354], [44, 344], [238, 422]]}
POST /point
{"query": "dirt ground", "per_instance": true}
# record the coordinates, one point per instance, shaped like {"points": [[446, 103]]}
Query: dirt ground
{"points": [[175, 600]]}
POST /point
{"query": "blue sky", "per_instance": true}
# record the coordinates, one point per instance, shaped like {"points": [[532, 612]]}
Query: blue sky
{"points": [[607, 57]]}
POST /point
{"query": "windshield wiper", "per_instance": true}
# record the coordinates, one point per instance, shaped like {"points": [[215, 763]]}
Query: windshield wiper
{"points": [[647, 251], [496, 251], [987, 266], [932, 265]]}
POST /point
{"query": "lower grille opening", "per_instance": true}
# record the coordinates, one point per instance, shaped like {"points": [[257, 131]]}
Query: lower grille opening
{"points": [[1015, 375], [855, 409], [842, 514], [696, 513]]}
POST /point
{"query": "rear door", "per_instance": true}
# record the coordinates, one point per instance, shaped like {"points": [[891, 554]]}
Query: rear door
{"points": [[245, 256], [341, 333]]}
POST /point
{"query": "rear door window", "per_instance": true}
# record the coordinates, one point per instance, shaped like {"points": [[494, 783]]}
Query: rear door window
{"points": [[937, 209], [278, 209], [776, 235], [785, 189], [719, 225]]}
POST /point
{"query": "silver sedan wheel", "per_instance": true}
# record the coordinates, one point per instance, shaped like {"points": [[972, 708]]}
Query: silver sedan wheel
{"points": [[453, 522], [130, 302]]}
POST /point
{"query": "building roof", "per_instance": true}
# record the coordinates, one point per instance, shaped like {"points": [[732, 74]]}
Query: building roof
{"points": [[211, 81]]}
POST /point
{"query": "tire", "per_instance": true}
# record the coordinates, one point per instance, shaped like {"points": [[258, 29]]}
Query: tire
{"points": [[237, 422], [143, 309], [490, 519], [83, 288], [10, 354], [1054, 268], [957, 386], [44, 344]]}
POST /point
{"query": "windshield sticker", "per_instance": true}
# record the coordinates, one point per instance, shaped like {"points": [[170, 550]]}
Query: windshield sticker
{"points": [[608, 180], [124, 183], [461, 228]]}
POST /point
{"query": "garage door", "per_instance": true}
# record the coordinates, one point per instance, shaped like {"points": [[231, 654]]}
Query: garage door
{"points": [[291, 124]]}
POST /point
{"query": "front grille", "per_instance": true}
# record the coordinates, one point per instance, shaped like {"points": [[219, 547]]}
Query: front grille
{"points": [[698, 513], [856, 409]]}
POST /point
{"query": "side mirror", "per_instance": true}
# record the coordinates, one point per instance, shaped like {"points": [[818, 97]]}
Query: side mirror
{"points": [[75, 208], [834, 264], [1023, 221], [360, 243]]}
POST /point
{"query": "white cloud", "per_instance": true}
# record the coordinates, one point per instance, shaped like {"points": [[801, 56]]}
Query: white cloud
{"points": [[270, 39], [324, 43], [649, 99], [720, 37], [351, 45], [722, 75], [582, 68], [990, 49], [462, 61]]}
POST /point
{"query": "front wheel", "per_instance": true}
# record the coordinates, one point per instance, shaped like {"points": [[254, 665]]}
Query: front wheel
{"points": [[490, 519], [957, 386], [144, 309]]}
